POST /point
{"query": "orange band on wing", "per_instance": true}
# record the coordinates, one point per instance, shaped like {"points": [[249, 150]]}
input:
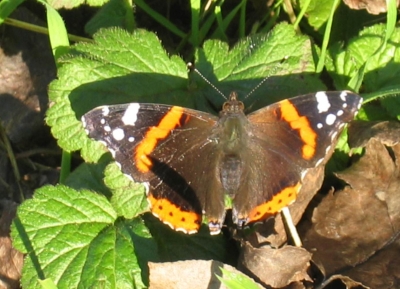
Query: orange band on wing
{"points": [[170, 214], [283, 199], [300, 123], [153, 135]]}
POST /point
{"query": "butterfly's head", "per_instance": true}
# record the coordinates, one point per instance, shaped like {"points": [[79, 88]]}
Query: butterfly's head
{"points": [[232, 106]]}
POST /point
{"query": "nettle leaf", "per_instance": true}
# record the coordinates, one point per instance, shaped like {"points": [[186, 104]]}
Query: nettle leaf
{"points": [[69, 237], [128, 198], [382, 68], [281, 60], [90, 177], [112, 14]]}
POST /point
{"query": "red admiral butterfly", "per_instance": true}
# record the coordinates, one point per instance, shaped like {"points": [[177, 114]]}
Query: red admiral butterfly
{"points": [[189, 160]]}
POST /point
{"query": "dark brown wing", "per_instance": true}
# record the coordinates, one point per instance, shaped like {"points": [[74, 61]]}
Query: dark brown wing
{"points": [[286, 139], [169, 148]]}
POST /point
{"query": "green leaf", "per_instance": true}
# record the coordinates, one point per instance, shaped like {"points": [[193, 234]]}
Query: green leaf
{"points": [[381, 71], [7, 7], [283, 56], [129, 199], [237, 280], [90, 177], [69, 237], [115, 13], [318, 11], [57, 32]]}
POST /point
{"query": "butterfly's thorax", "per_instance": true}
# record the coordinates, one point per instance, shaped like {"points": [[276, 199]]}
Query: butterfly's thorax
{"points": [[231, 128]]}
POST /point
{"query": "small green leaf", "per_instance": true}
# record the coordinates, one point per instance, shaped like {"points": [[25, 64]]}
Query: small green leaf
{"points": [[129, 199], [90, 177], [57, 32], [237, 280], [281, 60], [7, 7], [318, 11], [115, 13], [380, 71]]}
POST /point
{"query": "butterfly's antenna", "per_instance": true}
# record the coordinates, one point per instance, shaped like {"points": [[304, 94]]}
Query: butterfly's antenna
{"points": [[191, 67], [268, 76]]}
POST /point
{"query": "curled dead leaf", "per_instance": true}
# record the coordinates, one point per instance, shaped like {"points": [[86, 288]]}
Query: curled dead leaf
{"points": [[372, 6]]}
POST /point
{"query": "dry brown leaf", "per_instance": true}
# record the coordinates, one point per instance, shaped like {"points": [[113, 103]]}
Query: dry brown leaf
{"points": [[387, 132], [11, 259], [350, 226], [340, 281], [197, 274], [276, 268], [382, 270], [372, 6]]}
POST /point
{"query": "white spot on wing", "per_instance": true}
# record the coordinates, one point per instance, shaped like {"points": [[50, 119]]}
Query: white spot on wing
{"points": [[105, 110], [340, 112], [319, 125], [303, 174], [107, 128], [343, 95], [360, 103], [323, 102], [131, 139], [327, 150], [330, 119], [319, 162], [118, 134], [334, 135], [130, 115]]}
